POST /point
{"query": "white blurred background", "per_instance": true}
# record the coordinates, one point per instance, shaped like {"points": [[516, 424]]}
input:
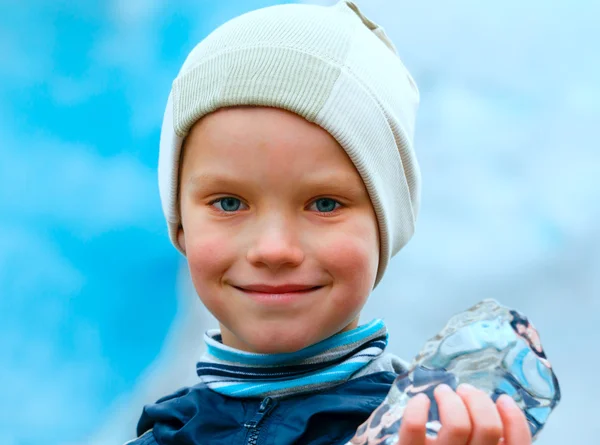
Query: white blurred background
{"points": [[97, 314]]}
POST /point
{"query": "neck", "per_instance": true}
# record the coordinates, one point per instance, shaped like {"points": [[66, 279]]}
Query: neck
{"points": [[276, 346]]}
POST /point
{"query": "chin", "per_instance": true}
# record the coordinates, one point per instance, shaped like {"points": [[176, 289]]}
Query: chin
{"points": [[275, 341]]}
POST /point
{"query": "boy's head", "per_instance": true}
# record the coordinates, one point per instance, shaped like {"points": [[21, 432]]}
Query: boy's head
{"points": [[287, 172], [270, 202]]}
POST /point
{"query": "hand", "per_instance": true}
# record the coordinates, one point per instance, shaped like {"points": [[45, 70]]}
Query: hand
{"points": [[468, 417]]}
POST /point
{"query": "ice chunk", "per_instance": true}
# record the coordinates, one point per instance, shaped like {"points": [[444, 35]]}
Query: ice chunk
{"points": [[489, 346]]}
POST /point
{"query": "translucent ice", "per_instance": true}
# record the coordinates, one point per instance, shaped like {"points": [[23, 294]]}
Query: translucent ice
{"points": [[489, 346]]}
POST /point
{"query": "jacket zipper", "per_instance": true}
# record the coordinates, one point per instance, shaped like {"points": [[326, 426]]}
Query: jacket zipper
{"points": [[266, 406]]}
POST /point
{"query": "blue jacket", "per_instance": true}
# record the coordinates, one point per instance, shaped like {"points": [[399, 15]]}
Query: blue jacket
{"points": [[199, 416]]}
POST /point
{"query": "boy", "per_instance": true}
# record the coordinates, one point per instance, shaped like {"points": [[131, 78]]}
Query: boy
{"points": [[288, 179]]}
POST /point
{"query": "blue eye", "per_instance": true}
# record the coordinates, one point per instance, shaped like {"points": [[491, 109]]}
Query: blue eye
{"points": [[326, 205], [227, 204]]}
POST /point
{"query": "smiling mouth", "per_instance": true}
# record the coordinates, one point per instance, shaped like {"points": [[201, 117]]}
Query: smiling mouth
{"points": [[277, 294], [283, 289]]}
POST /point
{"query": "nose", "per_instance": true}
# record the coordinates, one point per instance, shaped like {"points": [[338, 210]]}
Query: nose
{"points": [[276, 245]]}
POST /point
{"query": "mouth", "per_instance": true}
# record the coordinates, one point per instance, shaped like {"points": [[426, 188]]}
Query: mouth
{"points": [[278, 294], [279, 289]]}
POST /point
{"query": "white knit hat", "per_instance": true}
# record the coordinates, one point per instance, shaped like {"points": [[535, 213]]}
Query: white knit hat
{"points": [[330, 65]]}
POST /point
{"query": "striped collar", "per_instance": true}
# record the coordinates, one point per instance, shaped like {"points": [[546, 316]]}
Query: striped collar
{"points": [[330, 362]]}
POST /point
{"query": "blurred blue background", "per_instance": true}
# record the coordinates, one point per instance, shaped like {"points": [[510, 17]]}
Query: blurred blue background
{"points": [[97, 315]]}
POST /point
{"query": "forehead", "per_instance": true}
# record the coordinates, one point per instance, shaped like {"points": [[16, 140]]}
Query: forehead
{"points": [[263, 140]]}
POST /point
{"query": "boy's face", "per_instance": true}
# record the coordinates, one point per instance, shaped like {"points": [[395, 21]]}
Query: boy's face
{"points": [[278, 229]]}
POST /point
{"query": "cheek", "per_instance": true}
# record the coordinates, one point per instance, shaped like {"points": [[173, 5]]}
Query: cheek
{"points": [[352, 255], [208, 257]]}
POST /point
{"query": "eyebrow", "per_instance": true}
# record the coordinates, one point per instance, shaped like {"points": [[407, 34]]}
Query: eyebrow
{"points": [[205, 180], [201, 178], [343, 183]]}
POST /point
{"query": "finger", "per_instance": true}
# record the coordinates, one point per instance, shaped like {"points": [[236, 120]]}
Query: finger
{"points": [[454, 417], [485, 419], [516, 428], [414, 420]]}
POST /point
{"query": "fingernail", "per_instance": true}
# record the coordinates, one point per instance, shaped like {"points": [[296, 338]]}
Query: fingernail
{"points": [[466, 387], [421, 396], [443, 388], [507, 401]]}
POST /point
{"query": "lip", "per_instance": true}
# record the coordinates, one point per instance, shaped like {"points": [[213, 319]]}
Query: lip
{"points": [[278, 294], [278, 289]]}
